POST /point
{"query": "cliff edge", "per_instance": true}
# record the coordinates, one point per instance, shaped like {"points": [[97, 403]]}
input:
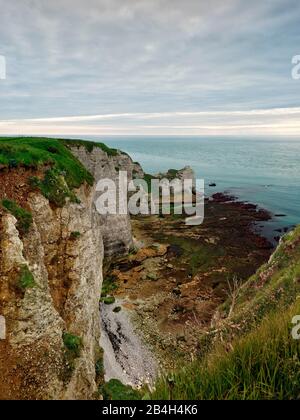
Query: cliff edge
{"points": [[52, 245]]}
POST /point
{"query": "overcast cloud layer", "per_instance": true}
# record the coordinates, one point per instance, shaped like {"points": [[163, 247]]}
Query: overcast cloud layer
{"points": [[149, 67]]}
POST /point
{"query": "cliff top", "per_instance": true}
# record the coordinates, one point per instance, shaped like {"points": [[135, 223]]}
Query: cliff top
{"points": [[46, 164]]}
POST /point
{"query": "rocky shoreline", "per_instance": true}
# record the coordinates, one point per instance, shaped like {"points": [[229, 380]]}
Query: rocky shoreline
{"points": [[173, 282]]}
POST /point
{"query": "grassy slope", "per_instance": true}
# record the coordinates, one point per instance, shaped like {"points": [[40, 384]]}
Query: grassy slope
{"points": [[251, 354], [62, 171], [89, 145], [35, 152]]}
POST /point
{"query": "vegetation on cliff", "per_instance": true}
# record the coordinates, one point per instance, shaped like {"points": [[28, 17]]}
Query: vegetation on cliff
{"points": [[47, 272], [250, 352], [90, 145], [60, 172], [23, 216], [26, 280], [33, 152]]}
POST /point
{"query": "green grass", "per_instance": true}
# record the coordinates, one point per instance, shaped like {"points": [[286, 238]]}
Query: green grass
{"points": [[34, 152], [172, 173], [108, 300], [89, 146], [275, 284], [252, 354], [73, 344], [148, 178], [62, 170], [109, 286], [26, 279], [99, 367], [264, 364], [75, 235], [115, 390], [24, 217], [54, 187]]}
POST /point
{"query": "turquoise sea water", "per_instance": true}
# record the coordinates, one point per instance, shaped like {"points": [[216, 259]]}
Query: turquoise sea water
{"points": [[264, 171], [260, 170]]}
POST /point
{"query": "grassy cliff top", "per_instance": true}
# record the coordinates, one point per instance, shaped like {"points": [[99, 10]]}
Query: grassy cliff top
{"points": [[33, 152], [50, 166], [90, 145]]}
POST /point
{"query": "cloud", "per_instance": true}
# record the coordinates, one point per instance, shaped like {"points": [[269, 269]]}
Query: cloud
{"points": [[259, 121], [146, 59]]}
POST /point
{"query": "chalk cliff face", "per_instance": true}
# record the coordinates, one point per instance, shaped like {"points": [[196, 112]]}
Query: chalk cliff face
{"points": [[50, 285], [67, 276], [116, 229]]}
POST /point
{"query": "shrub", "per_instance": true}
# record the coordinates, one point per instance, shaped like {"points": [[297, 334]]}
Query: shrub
{"points": [[54, 187], [172, 173], [73, 344], [148, 178], [90, 145], [109, 286], [75, 235], [108, 300], [26, 280], [24, 217], [115, 390], [99, 367]]}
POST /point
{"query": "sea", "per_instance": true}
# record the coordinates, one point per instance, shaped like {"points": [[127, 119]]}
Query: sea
{"points": [[259, 170]]}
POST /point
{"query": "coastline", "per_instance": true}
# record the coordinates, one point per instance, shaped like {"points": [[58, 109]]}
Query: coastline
{"points": [[172, 284]]}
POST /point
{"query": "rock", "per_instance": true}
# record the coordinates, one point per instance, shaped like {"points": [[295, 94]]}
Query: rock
{"points": [[152, 276], [116, 229], [56, 304], [183, 174], [223, 198], [181, 337], [176, 291], [212, 241]]}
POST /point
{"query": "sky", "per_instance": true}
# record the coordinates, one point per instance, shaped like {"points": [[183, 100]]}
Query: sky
{"points": [[159, 67]]}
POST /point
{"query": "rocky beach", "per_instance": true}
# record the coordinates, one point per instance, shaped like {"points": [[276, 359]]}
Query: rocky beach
{"points": [[176, 275]]}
